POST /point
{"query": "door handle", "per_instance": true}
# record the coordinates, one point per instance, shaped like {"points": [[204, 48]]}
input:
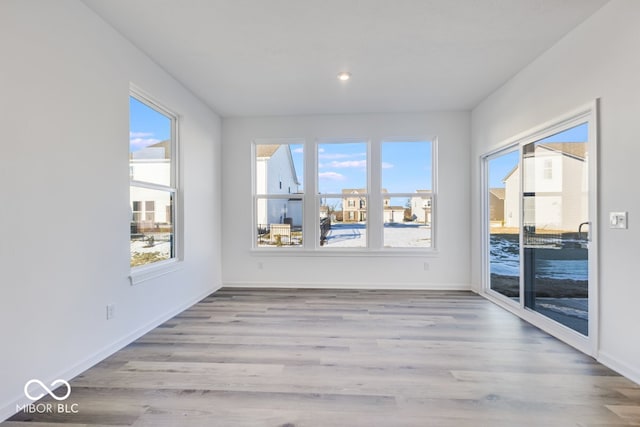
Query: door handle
{"points": [[588, 223]]}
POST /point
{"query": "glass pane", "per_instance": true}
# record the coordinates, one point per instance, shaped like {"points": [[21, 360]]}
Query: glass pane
{"points": [[504, 224], [556, 227], [279, 168], [150, 144], [407, 222], [279, 222], [342, 167], [343, 221], [152, 229], [406, 166]]}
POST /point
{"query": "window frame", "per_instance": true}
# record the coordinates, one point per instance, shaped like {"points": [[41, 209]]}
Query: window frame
{"points": [[149, 271], [588, 114], [364, 196], [374, 200], [288, 196], [431, 196]]}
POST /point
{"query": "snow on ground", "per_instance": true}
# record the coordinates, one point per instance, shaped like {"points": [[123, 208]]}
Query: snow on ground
{"points": [[158, 246], [354, 235], [407, 236], [505, 261]]}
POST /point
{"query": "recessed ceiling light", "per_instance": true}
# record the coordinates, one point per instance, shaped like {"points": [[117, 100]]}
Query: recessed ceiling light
{"points": [[344, 76]]}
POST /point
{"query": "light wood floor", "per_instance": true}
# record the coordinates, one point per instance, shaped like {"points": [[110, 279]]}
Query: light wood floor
{"points": [[272, 357]]}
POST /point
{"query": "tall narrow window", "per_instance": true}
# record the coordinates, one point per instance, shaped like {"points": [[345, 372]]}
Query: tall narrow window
{"points": [[278, 194], [152, 189], [343, 194], [407, 193]]}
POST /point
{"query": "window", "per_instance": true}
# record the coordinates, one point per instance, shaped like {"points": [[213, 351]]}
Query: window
{"points": [[278, 193], [152, 188], [407, 191], [548, 169], [342, 192], [349, 213]]}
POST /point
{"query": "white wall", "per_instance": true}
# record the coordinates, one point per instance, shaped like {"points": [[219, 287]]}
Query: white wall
{"points": [[64, 219], [447, 269], [597, 60]]}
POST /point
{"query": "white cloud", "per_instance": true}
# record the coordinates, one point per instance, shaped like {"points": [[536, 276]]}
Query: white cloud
{"points": [[340, 155], [139, 134], [386, 165], [333, 176], [297, 150], [348, 164]]}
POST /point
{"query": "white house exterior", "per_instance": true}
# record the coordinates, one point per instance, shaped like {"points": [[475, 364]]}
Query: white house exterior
{"points": [[512, 198], [276, 175], [421, 206], [151, 208], [557, 174], [393, 214]]}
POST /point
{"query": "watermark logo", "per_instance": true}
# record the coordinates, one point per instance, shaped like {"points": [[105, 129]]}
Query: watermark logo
{"points": [[42, 389], [47, 389]]}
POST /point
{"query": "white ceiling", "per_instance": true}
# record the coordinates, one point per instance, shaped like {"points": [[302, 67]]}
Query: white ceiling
{"points": [[281, 57]]}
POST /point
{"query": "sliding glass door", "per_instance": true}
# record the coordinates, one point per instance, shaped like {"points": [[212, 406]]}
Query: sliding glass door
{"points": [[556, 227], [539, 207]]}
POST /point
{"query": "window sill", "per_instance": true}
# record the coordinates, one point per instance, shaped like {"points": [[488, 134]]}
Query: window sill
{"points": [[346, 252], [149, 272]]}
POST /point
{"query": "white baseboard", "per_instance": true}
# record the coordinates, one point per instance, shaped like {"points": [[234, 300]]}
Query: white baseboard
{"points": [[9, 409], [367, 285], [623, 368]]}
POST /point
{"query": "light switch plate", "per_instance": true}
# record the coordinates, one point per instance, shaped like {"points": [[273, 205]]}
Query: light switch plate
{"points": [[617, 220]]}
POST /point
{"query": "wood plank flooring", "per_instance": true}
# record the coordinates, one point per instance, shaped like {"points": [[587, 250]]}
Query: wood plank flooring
{"points": [[294, 358]]}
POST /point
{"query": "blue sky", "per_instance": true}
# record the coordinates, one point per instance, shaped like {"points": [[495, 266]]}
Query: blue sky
{"points": [[406, 166], [146, 125], [499, 167]]}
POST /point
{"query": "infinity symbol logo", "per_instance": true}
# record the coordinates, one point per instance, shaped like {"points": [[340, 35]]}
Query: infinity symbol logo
{"points": [[47, 389]]}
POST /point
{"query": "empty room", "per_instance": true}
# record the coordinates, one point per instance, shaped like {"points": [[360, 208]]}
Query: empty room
{"points": [[319, 213]]}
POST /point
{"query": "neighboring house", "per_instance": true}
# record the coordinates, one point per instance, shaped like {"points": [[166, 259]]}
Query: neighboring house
{"points": [[354, 205], [511, 202], [496, 206], [421, 206], [556, 174], [150, 208], [276, 174], [393, 213]]}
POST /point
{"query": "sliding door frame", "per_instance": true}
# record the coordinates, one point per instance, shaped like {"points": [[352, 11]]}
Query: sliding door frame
{"points": [[587, 113]]}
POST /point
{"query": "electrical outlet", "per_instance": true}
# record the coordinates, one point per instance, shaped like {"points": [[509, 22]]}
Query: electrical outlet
{"points": [[111, 311], [426, 266], [260, 265]]}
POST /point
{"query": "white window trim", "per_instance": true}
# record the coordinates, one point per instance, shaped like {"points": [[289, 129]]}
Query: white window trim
{"points": [[257, 196], [311, 202], [148, 272]]}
